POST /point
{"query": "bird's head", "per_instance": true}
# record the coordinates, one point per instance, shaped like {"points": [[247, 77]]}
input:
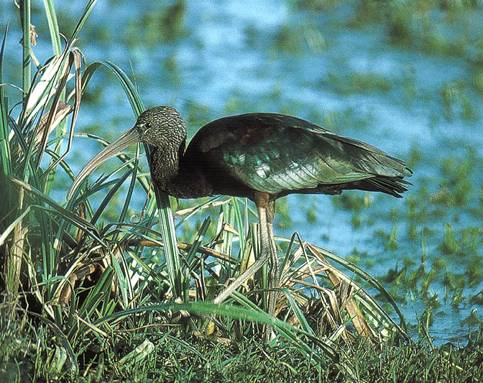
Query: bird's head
{"points": [[161, 127]]}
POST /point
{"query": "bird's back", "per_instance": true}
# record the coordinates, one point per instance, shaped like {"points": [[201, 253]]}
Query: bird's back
{"points": [[280, 154]]}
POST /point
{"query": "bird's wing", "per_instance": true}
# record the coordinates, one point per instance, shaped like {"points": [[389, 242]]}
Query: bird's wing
{"points": [[276, 153]]}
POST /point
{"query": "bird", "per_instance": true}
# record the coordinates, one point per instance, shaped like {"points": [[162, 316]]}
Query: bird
{"points": [[259, 156]]}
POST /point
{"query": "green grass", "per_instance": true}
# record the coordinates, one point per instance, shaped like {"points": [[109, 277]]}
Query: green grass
{"points": [[33, 352]]}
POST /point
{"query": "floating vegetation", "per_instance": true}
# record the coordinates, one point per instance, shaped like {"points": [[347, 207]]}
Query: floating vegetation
{"points": [[428, 26], [449, 245], [311, 213], [415, 156], [353, 201], [358, 83], [336, 120], [293, 40], [392, 242], [315, 5], [457, 101], [478, 80], [158, 24], [284, 219]]}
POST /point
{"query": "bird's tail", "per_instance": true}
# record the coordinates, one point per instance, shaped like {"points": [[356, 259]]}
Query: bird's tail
{"points": [[389, 185]]}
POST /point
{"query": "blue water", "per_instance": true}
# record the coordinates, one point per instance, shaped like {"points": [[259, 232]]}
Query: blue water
{"points": [[227, 59]]}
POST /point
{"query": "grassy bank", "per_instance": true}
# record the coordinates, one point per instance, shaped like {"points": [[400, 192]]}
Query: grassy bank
{"points": [[148, 351]]}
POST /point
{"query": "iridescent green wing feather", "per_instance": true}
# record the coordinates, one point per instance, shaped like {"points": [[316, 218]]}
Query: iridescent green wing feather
{"points": [[275, 154]]}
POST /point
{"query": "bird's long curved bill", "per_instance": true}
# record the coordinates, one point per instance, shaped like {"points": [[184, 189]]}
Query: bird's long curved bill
{"points": [[111, 150]]}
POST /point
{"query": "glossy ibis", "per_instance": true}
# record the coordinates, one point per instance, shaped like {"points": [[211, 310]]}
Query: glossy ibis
{"points": [[261, 156]]}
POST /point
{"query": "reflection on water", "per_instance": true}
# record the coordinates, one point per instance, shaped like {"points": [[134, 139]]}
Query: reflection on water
{"points": [[412, 88]]}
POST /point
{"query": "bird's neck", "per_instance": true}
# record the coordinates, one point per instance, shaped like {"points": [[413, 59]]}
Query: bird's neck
{"points": [[164, 164], [174, 176]]}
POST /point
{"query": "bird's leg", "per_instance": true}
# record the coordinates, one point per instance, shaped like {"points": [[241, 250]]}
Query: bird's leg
{"points": [[266, 211], [267, 251], [273, 282]]}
